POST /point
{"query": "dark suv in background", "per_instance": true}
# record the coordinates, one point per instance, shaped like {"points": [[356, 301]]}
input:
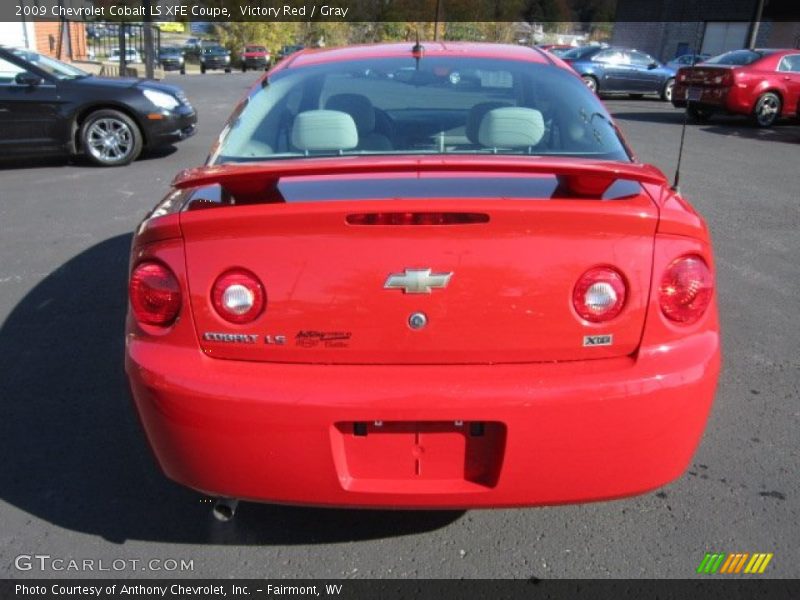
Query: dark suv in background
{"points": [[215, 57], [287, 50], [171, 58]]}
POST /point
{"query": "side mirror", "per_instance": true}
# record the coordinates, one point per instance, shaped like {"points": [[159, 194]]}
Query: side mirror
{"points": [[28, 79], [653, 65]]}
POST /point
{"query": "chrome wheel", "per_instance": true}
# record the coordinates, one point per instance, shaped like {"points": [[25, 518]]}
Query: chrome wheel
{"points": [[667, 95], [109, 140], [590, 82], [767, 110]]}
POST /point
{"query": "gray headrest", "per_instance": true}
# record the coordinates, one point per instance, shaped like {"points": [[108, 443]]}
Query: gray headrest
{"points": [[475, 116], [512, 127], [324, 130], [357, 106]]}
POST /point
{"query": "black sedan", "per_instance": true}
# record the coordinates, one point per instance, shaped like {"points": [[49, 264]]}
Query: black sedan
{"points": [[48, 107]]}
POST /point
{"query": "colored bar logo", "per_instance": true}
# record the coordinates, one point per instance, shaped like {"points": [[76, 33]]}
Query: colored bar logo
{"points": [[734, 564]]}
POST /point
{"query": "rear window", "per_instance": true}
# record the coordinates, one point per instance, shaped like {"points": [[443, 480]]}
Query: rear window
{"points": [[438, 105], [505, 185], [737, 57]]}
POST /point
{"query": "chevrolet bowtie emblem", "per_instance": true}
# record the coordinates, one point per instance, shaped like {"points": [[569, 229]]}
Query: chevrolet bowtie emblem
{"points": [[417, 281]]}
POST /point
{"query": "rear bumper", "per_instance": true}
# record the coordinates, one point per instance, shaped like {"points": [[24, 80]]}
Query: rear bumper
{"points": [[554, 433], [212, 65], [718, 99], [255, 62], [171, 65]]}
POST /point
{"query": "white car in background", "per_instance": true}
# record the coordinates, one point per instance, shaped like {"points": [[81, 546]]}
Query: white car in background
{"points": [[131, 55]]}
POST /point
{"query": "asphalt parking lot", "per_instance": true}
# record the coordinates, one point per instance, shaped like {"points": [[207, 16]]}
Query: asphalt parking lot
{"points": [[78, 481]]}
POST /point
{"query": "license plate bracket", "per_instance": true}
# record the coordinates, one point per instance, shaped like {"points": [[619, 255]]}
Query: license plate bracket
{"points": [[373, 454]]}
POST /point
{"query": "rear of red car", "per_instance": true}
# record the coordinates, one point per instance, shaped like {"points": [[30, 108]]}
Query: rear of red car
{"points": [[440, 329], [763, 84]]}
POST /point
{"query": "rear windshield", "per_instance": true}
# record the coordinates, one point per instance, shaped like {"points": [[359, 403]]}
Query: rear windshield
{"points": [[437, 105], [737, 57], [506, 185]]}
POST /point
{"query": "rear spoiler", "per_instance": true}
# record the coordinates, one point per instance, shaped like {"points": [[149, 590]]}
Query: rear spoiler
{"points": [[256, 183], [583, 176]]}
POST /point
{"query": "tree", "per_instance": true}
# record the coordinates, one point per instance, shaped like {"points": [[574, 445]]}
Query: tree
{"points": [[273, 35], [324, 33]]}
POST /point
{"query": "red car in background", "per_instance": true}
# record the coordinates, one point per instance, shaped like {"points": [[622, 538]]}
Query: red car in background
{"points": [[422, 276], [762, 84], [254, 57]]}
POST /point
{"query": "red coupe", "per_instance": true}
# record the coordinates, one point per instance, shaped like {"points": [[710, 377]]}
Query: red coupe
{"points": [[422, 276], [762, 84]]}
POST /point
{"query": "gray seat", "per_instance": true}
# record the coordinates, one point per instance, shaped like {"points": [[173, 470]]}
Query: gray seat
{"points": [[512, 127], [475, 116], [363, 112], [324, 131]]}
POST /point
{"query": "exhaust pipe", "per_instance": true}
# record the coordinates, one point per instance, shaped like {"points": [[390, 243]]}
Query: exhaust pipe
{"points": [[225, 509]]}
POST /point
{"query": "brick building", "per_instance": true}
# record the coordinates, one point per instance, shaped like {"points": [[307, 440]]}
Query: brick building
{"points": [[65, 40], [669, 28]]}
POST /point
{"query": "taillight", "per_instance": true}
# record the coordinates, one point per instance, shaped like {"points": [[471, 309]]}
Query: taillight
{"points": [[599, 294], [238, 296], [155, 294], [723, 79], [686, 289]]}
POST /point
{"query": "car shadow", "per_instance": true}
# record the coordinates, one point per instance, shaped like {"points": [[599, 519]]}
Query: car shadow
{"points": [[37, 162], [74, 453], [158, 152], [785, 131], [734, 126], [64, 160], [651, 99], [673, 117]]}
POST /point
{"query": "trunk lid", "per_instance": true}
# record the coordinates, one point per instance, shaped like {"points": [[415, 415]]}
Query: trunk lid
{"points": [[342, 281], [710, 76]]}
